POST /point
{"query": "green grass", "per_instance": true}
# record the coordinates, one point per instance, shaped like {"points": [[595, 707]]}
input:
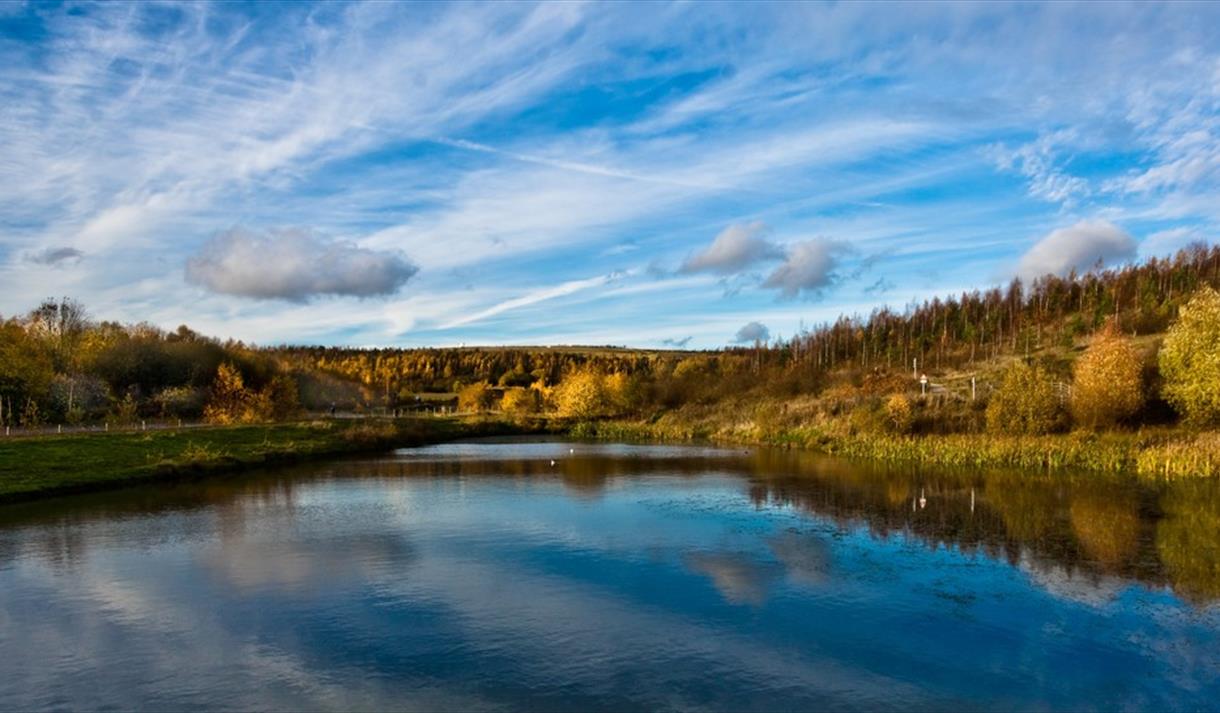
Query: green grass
{"points": [[45, 465]]}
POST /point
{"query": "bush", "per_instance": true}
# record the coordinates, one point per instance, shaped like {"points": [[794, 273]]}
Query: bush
{"points": [[125, 412], [519, 401], [180, 402], [1025, 403], [74, 398], [1190, 360], [581, 394], [229, 401], [1107, 382], [281, 398], [899, 414], [475, 397]]}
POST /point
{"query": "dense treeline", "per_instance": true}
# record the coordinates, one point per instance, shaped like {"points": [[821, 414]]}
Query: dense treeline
{"points": [[858, 367], [58, 366], [981, 325]]}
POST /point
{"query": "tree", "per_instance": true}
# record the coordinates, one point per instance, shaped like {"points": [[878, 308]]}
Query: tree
{"points": [[899, 413], [1025, 403], [282, 398], [581, 394], [1190, 359], [1107, 381], [60, 325], [519, 401], [229, 400], [475, 397], [25, 373]]}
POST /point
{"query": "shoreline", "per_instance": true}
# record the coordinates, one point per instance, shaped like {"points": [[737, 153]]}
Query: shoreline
{"points": [[1160, 455], [33, 468], [48, 466]]}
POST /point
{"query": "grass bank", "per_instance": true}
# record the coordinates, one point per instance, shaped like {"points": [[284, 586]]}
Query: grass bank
{"points": [[1159, 454], [48, 465]]}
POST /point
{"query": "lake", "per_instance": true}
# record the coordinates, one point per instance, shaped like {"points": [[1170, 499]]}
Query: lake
{"points": [[553, 575]]}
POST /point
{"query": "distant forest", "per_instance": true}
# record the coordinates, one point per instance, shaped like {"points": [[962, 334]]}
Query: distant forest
{"points": [[57, 365]]}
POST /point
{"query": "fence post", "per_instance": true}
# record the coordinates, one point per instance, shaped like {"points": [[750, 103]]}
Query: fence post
{"points": [[143, 426], [59, 428], [108, 427]]}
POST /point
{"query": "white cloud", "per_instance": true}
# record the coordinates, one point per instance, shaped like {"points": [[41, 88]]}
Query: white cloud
{"points": [[752, 332], [736, 248], [1079, 247], [807, 268], [534, 297], [1167, 242], [294, 265], [1040, 163]]}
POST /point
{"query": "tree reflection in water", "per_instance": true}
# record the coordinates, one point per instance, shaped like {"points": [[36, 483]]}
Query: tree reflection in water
{"points": [[1084, 525]]}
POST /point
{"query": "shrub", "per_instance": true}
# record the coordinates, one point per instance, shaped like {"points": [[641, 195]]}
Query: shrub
{"points": [[475, 397], [281, 398], [519, 401], [1190, 359], [1025, 403], [228, 401], [124, 412], [899, 414], [180, 401], [581, 394], [1107, 382]]}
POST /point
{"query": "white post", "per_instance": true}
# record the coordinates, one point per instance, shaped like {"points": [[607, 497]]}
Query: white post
{"points": [[59, 428], [973, 393], [143, 426], [107, 426]]}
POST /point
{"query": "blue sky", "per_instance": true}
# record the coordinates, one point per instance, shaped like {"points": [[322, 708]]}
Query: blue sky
{"points": [[636, 174]]}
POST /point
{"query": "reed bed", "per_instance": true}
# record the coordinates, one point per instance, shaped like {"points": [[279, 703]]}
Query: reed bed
{"points": [[1157, 455]]}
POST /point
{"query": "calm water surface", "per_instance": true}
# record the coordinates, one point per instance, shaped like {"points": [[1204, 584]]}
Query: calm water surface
{"points": [[481, 576]]}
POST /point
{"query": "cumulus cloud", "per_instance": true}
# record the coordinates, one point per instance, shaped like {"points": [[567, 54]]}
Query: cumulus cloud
{"points": [[54, 256], [676, 343], [1079, 247], [296, 265], [734, 249], [752, 332], [808, 267]]}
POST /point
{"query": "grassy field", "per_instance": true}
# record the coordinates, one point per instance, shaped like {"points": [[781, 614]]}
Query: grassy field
{"points": [[38, 466]]}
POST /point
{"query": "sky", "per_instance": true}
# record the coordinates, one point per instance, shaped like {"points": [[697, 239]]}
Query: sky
{"points": [[648, 175]]}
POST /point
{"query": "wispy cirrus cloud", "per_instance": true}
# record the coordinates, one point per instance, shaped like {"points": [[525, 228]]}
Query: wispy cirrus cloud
{"points": [[527, 144], [534, 297]]}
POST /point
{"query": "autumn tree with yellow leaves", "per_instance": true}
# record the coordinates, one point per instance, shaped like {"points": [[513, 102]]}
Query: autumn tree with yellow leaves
{"points": [[1107, 381], [1190, 359]]}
